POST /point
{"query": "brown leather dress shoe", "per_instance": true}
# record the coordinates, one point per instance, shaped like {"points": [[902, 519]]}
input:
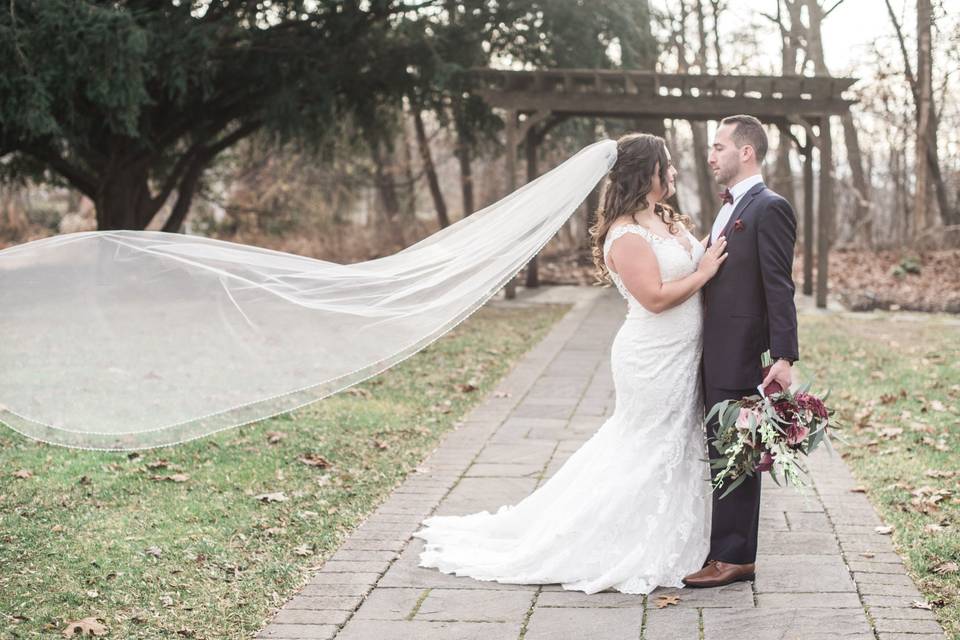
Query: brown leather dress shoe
{"points": [[717, 574]]}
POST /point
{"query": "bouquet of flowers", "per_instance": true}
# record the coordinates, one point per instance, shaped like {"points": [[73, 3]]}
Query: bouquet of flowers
{"points": [[769, 432]]}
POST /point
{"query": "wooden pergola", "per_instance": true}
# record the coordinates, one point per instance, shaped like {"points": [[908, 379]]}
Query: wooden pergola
{"points": [[536, 101]]}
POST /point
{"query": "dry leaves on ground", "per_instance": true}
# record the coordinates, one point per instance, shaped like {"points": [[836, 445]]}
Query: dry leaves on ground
{"points": [[314, 460], [665, 601], [84, 627], [277, 496]]}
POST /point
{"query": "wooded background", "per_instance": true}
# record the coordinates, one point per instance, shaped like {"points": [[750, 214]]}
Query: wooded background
{"points": [[346, 130]]}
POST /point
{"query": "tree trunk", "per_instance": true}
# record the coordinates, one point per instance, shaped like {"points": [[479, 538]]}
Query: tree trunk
{"points": [[533, 270], [123, 200], [825, 217], [924, 93], [782, 172], [808, 221], [706, 185], [862, 220], [386, 191], [410, 206], [427, 159], [466, 179]]}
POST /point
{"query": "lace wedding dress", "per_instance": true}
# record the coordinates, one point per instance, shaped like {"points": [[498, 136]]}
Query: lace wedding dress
{"points": [[630, 509]]}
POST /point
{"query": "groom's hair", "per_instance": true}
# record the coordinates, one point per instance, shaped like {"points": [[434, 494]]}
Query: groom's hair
{"points": [[748, 130]]}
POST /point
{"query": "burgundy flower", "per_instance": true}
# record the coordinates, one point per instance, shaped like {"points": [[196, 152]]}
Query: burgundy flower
{"points": [[766, 462], [784, 409], [738, 225], [797, 433], [813, 404]]}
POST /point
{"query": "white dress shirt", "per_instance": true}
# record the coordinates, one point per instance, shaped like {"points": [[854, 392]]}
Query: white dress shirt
{"points": [[737, 191]]}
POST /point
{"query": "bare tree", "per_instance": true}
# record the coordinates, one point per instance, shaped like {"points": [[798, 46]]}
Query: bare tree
{"points": [[921, 87], [426, 159]]}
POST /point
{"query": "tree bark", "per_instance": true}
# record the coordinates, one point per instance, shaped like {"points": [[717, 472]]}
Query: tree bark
{"points": [[808, 221], [825, 217], [706, 185], [386, 190], [533, 269], [427, 159], [862, 215], [924, 94], [123, 198], [464, 157]]}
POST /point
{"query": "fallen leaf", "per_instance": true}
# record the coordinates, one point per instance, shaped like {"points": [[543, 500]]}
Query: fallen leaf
{"points": [[86, 627], [890, 433], [273, 437], [936, 405], [278, 496], [303, 550], [314, 460], [176, 477], [920, 604], [946, 567], [157, 464], [156, 552], [23, 474], [858, 490], [883, 530], [868, 554], [379, 444], [357, 391], [664, 601], [466, 388], [937, 473]]}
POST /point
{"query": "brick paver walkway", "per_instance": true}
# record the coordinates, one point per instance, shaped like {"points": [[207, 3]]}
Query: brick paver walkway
{"points": [[823, 572]]}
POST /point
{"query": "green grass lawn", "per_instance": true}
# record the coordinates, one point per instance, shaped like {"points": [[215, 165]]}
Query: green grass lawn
{"points": [[896, 384], [174, 542]]}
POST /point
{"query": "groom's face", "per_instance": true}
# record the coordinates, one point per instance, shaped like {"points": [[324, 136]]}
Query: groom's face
{"points": [[724, 158]]}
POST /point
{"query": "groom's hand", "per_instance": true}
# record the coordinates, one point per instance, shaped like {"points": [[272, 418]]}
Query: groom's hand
{"points": [[782, 372]]}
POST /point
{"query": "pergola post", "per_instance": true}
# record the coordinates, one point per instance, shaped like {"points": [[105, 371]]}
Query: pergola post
{"points": [[533, 276], [511, 153], [825, 209]]}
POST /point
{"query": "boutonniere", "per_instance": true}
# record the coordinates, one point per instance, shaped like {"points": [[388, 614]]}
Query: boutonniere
{"points": [[738, 225]]}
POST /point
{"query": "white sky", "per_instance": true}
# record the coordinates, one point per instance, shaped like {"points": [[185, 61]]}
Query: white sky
{"points": [[848, 32]]}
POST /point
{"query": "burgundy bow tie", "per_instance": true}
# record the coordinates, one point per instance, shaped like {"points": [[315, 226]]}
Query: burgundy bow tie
{"points": [[726, 197]]}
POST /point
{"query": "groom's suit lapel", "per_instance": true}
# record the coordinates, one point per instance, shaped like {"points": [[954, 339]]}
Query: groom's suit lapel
{"points": [[742, 206]]}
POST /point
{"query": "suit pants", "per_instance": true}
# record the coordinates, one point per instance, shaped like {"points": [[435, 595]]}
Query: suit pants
{"points": [[736, 518]]}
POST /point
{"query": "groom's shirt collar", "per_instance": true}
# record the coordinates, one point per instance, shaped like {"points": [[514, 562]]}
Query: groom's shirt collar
{"points": [[745, 185]]}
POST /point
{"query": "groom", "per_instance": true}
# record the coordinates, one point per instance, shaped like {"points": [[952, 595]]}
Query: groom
{"points": [[749, 309]]}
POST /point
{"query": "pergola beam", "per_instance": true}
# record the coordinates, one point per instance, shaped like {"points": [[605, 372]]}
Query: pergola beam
{"points": [[549, 96]]}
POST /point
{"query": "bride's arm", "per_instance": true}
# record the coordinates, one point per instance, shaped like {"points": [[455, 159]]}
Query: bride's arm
{"points": [[637, 265]]}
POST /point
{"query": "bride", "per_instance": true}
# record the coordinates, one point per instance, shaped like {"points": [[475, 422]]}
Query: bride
{"points": [[630, 509]]}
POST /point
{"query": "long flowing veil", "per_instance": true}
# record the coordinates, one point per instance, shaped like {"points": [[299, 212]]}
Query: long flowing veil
{"points": [[135, 339]]}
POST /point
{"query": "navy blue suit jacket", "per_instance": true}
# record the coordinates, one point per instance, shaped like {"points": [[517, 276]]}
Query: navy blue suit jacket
{"points": [[749, 304]]}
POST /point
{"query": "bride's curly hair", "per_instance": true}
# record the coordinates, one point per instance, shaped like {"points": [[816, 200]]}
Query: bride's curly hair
{"points": [[626, 188]]}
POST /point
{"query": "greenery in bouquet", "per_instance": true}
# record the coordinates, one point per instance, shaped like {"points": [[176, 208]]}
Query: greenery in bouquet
{"points": [[768, 433]]}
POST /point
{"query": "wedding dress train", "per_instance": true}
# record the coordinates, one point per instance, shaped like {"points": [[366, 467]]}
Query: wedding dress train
{"points": [[630, 509]]}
